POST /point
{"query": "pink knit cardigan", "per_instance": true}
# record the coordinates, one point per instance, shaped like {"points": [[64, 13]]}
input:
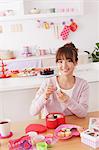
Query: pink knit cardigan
{"points": [[76, 105]]}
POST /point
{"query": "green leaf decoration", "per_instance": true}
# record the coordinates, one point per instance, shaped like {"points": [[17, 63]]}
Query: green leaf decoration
{"points": [[93, 55], [97, 44]]}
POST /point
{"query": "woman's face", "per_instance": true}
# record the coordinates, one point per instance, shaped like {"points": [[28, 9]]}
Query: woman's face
{"points": [[66, 67]]}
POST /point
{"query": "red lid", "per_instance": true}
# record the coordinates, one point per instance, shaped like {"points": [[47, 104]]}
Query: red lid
{"points": [[39, 128]]}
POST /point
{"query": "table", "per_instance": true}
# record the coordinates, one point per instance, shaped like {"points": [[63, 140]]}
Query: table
{"points": [[74, 143]]}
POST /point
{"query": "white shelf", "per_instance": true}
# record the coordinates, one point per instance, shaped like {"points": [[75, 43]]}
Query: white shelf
{"points": [[34, 16], [9, 7], [31, 58], [23, 7]]}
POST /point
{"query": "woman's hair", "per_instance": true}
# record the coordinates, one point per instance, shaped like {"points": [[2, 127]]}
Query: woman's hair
{"points": [[68, 51]]}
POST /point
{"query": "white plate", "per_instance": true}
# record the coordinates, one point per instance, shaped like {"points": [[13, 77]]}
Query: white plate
{"points": [[47, 76]]}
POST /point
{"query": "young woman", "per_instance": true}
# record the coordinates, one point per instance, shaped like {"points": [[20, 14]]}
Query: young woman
{"points": [[65, 92]]}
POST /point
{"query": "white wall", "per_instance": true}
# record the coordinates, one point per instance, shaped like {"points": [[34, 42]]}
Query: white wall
{"points": [[88, 28], [84, 38]]}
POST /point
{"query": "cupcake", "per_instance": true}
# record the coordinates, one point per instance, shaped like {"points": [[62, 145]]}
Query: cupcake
{"points": [[67, 133], [61, 134]]}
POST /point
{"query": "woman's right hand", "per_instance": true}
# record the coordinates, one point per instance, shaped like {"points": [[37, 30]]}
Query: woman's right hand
{"points": [[48, 91]]}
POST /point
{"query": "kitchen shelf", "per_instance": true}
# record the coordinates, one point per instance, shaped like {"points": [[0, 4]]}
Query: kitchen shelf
{"points": [[34, 16], [23, 8], [31, 58]]}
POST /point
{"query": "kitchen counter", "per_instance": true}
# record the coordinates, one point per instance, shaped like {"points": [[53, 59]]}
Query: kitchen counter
{"points": [[19, 83], [89, 72]]}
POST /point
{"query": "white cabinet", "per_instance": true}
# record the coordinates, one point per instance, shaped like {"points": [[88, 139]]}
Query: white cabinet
{"points": [[15, 104], [55, 7], [47, 8], [11, 7], [34, 62]]}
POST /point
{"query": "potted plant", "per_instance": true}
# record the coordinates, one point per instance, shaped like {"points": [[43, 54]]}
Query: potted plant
{"points": [[94, 56]]}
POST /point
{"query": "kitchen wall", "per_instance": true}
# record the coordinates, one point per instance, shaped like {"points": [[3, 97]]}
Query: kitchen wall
{"points": [[84, 38]]}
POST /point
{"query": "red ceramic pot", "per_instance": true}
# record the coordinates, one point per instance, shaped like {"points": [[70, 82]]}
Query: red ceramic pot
{"points": [[55, 121]]}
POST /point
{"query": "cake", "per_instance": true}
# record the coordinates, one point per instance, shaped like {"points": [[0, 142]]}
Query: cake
{"points": [[47, 71], [6, 54]]}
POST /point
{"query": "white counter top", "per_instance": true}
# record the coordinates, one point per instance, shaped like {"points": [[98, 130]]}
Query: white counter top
{"points": [[49, 56], [89, 72], [19, 83]]}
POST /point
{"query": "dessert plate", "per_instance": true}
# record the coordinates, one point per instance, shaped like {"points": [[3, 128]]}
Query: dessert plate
{"points": [[66, 131]]}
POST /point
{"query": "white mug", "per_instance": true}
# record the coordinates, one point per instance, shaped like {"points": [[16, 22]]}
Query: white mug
{"points": [[5, 128]]}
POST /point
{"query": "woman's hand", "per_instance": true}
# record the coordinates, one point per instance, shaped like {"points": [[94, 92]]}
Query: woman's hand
{"points": [[62, 96], [48, 91]]}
